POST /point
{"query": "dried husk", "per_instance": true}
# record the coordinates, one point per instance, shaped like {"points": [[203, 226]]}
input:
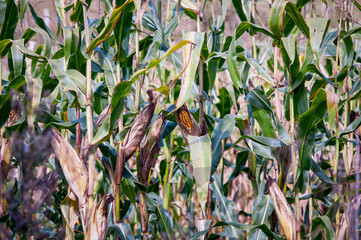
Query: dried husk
{"points": [[138, 128], [44, 186], [349, 220], [150, 148], [73, 168], [70, 211], [187, 123], [283, 210], [97, 221]]}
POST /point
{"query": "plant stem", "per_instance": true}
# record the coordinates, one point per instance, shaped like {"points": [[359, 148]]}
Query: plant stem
{"points": [[275, 76], [118, 179], [337, 146], [89, 113], [143, 213], [294, 163], [168, 188], [200, 71], [78, 130], [137, 89], [117, 202]]}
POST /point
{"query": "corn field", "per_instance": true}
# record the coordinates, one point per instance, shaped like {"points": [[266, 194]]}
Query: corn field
{"points": [[180, 119]]}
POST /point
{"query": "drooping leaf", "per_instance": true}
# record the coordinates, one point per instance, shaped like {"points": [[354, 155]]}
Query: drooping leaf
{"points": [[109, 28], [191, 60], [223, 130], [232, 65], [116, 108], [307, 128]]}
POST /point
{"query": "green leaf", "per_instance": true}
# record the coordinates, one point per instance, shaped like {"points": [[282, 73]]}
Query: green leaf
{"points": [[264, 119], [317, 170], [258, 98], [9, 21], [244, 26], [297, 18], [122, 28], [242, 9], [2, 13], [5, 108], [109, 28], [123, 230], [290, 45], [325, 222], [266, 141], [307, 128], [318, 29], [232, 65], [223, 130], [116, 108], [261, 212], [129, 189], [276, 17], [227, 210], [40, 22], [22, 5], [71, 80], [350, 128], [156, 62], [165, 221], [60, 5], [190, 61]]}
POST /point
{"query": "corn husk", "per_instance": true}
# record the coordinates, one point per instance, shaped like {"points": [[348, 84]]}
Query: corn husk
{"points": [[187, 123], [97, 221], [283, 210], [150, 148], [138, 128], [44, 186], [73, 168]]}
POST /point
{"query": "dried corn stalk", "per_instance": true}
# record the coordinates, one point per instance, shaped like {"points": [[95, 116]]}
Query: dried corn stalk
{"points": [[283, 210]]}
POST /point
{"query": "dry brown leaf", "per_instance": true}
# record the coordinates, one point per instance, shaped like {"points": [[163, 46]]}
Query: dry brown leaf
{"points": [[44, 186], [97, 221], [284, 214], [73, 168], [70, 212], [348, 222]]}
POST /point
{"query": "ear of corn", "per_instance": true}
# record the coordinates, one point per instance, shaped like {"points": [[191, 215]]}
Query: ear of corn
{"points": [[187, 123], [150, 148], [138, 129]]}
